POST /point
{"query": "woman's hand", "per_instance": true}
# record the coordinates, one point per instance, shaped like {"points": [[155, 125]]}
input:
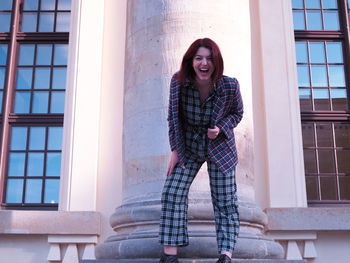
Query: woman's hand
{"points": [[213, 133], [173, 161]]}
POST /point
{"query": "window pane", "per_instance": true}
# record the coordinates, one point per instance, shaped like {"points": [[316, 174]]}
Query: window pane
{"points": [[22, 102], [66, 4], [334, 52], [312, 188], [5, 20], [321, 99], [342, 134], [46, 22], [29, 21], [3, 54], [18, 138], [16, 164], [33, 191], [298, 20], [37, 138], [2, 77], [53, 164], [26, 54], [336, 76], [52, 189], [310, 161], [42, 78], [44, 53], [5, 4], [47, 5], [63, 21], [319, 76], [301, 52], [331, 20], [312, 4], [344, 185], [324, 135], [297, 4], [35, 164], [55, 138], [61, 52], [305, 99], [57, 102], [59, 78], [303, 76], [24, 78], [328, 4], [328, 188], [339, 99], [308, 135], [30, 5], [14, 191], [317, 52], [40, 102], [326, 161], [343, 161], [314, 20], [1, 97]]}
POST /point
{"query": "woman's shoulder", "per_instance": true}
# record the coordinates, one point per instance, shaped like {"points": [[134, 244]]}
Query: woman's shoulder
{"points": [[229, 80], [227, 84]]}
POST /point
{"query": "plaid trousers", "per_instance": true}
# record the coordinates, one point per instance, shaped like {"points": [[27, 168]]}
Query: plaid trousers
{"points": [[173, 225]]}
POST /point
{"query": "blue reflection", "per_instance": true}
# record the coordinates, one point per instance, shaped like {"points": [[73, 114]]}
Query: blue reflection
{"points": [[298, 20], [26, 54], [62, 22], [336, 76], [14, 191], [314, 20], [48, 5], [66, 4], [303, 76], [30, 5], [338, 93], [22, 102], [3, 54], [40, 102], [331, 20], [6, 5], [33, 191], [18, 138], [29, 22], [329, 4], [35, 164], [52, 189], [57, 102], [297, 4], [59, 78], [334, 52], [304, 94], [53, 164], [312, 4], [42, 78], [37, 138], [301, 52], [16, 164], [55, 138], [2, 77], [317, 52], [61, 54], [5, 21], [320, 94], [1, 95], [44, 53], [319, 76], [24, 78], [46, 21]]}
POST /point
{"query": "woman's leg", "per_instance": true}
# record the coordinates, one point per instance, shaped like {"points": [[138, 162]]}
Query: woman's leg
{"points": [[225, 203]]}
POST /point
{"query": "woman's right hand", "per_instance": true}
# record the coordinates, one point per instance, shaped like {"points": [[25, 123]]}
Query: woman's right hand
{"points": [[173, 161]]}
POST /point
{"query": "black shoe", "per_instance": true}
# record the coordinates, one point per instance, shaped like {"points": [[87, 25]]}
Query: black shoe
{"points": [[168, 259], [223, 259]]}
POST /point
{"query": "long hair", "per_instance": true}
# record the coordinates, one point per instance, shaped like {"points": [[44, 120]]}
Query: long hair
{"points": [[187, 71]]}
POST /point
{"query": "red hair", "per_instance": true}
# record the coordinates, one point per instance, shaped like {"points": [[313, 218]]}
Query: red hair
{"points": [[187, 71]]}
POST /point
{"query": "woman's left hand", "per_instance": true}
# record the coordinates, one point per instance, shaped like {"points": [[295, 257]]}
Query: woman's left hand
{"points": [[213, 133]]}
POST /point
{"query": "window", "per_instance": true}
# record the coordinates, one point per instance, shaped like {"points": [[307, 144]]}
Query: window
{"points": [[33, 63], [322, 55]]}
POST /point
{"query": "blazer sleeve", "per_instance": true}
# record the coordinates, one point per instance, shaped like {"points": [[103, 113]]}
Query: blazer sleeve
{"points": [[235, 113], [172, 140]]}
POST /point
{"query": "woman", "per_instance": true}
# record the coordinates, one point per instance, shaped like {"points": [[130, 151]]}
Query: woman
{"points": [[204, 107]]}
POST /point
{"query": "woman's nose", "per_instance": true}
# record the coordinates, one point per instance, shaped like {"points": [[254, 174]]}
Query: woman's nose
{"points": [[204, 61]]}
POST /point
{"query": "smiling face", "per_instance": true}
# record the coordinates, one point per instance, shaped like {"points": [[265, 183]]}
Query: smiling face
{"points": [[203, 64]]}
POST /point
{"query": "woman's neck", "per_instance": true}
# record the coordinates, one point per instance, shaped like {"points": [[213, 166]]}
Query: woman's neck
{"points": [[203, 84]]}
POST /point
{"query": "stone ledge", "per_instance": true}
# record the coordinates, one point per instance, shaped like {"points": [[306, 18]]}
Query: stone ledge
{"points": [[308, 219], [195, 261], [49, 222]]}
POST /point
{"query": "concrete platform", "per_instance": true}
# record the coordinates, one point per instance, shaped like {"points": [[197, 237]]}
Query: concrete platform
{"points": [[212, 260]]}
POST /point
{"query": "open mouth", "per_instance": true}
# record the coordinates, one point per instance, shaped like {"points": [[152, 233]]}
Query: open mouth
{"points": [[204, 70]]}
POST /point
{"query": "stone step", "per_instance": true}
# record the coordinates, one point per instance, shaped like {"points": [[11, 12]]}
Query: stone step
{"points": [[149, 260]]}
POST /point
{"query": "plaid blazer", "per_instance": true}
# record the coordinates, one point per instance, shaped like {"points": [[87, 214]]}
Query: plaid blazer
{"points": [[227, 113]]}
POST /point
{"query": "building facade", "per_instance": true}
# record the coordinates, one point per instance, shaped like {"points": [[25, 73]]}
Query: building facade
{"points": [[84, 95]]}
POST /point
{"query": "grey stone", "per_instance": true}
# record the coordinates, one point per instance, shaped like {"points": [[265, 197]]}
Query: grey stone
{"points": [[204, 260]]}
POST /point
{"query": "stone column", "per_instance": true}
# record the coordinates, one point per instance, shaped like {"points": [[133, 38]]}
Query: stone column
{"points": [[158, 34]]}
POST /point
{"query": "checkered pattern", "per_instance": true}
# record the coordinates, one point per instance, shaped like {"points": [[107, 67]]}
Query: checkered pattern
{"points": [[197, 118]]}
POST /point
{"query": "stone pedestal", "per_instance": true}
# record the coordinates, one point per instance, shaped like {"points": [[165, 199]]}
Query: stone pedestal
{"points": [[158, 34]]}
